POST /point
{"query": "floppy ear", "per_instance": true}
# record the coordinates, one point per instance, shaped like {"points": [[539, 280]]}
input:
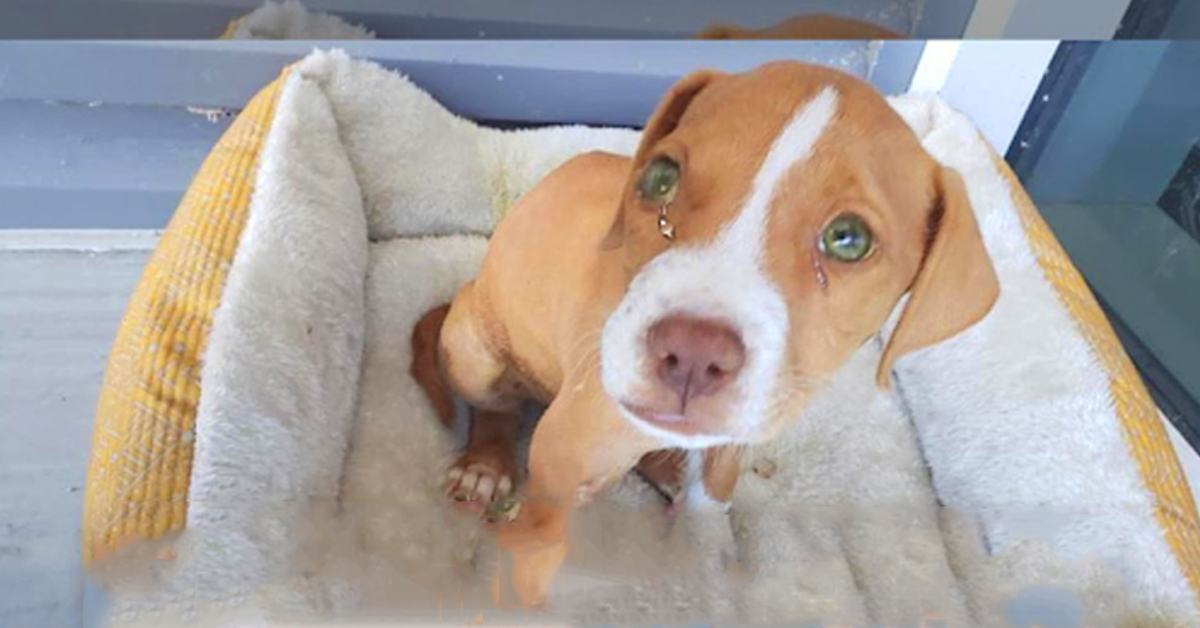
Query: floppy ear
{"points": [[664, 120], [956, 284]]}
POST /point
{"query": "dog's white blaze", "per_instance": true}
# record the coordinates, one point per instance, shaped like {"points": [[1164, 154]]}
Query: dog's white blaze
{"points": [[725, 279], [745, 234]]}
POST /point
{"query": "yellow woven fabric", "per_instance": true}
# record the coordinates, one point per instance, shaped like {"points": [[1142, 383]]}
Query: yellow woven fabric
{"points": [[1144, 431], [141, 460]]}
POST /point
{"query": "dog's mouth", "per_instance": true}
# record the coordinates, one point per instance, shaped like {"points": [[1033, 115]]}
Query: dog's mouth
{"points": [[665, 420]]}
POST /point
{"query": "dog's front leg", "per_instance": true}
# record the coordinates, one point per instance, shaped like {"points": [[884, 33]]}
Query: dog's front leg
{"points": [[580, 444]]}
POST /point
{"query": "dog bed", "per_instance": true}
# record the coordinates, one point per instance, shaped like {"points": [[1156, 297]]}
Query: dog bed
{"points": [[261, 453]]}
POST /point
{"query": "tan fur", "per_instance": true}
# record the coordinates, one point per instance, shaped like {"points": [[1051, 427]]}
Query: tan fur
{"points": [[719, 471], [664, 470], [558, 264]]}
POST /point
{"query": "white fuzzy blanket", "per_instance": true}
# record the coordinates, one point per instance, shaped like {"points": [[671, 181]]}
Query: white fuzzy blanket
{"points": [[290, 20], [993, 488]]}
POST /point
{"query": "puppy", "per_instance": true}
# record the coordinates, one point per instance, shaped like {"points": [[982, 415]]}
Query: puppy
{"points": [[695, 295]]}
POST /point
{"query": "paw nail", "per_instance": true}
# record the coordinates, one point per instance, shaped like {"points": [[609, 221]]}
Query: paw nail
{"points": [[468, 481], [504, 509], [484, 488]]}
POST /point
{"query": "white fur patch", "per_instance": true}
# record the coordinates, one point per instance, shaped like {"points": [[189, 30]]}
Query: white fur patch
{"points": [[723, 280], [696, 497]]}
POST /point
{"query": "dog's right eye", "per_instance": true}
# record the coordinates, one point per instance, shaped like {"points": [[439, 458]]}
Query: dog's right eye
{"points": [[846, 238], [659, 180]]}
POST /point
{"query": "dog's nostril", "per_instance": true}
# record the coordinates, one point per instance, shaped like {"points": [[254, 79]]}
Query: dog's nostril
{"points": [[694, 356]]}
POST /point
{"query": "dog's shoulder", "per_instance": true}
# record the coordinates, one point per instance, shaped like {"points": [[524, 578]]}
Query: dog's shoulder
{"points": [[594, 163], [594, 175]]}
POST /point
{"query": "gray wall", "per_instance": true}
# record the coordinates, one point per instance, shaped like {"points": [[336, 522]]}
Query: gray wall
{"points": [[107, 135], [471, 19], [1065, 19]]}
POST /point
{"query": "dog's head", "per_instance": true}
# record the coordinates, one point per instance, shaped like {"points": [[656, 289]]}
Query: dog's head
{"points": [[803, 209]]}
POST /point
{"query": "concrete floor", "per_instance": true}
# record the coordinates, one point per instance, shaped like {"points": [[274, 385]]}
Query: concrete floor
{"points": [[58, 314], [59, 310]]}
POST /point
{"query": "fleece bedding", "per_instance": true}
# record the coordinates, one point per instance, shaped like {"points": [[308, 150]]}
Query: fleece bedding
{"points": [[1016, 474]]}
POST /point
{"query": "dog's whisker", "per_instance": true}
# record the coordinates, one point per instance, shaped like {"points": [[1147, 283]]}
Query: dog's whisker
{"points": [[589, 352], [587, 361], [586, 337], [582, 341]]}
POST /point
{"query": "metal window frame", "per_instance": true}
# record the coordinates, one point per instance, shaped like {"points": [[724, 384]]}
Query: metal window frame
{"points": [[1067, 68], [1145, 19]]}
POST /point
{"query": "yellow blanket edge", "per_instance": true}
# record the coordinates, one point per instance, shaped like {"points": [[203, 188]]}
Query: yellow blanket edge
{"points": [[1141, 425], [142, 440]]}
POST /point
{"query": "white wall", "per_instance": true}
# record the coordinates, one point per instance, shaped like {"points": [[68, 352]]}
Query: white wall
{"points": [[992, 82]]}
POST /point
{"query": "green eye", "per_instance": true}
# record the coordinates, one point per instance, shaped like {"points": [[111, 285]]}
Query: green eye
{"points": [[846, 238], [659, 180]]}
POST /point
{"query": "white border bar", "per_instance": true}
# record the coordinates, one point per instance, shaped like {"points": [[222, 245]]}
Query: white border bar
{"points": [[992, 82], [87, 240]]}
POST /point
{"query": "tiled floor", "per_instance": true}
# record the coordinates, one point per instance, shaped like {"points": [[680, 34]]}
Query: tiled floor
{"points": [[59, 310]]}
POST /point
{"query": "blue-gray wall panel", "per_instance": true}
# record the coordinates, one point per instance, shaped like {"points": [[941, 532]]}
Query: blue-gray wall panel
{"points": [[98, 134], [439, 19]]}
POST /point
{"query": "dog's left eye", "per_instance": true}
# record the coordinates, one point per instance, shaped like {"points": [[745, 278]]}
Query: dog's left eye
{"points": [[846, 238], [659, 180]]}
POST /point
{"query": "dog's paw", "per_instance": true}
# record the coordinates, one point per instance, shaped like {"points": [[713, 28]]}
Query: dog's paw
{"points": [[475, 484]]}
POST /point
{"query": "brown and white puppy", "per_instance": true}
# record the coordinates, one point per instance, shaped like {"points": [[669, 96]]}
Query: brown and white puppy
{"points": [[801, 209]]}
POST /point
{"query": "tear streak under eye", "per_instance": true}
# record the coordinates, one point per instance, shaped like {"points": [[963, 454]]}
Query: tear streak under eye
{"points": [[819, 269]]}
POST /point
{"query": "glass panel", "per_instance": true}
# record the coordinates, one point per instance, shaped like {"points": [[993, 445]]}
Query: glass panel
{"points": [[1184, 22]]}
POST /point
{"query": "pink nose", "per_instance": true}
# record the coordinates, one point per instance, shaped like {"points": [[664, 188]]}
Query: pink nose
{"points": [[694, 356]]}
